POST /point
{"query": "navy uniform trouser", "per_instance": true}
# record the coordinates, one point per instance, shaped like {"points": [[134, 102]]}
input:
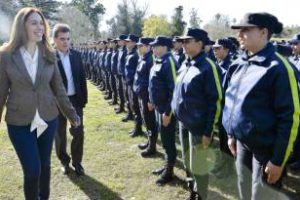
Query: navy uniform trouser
{"points": [[107, 82], [147, 116], [251, 177], [120, 90], [113, 85], [167, 134], [134, 105], [125, 91], [35, 157]]}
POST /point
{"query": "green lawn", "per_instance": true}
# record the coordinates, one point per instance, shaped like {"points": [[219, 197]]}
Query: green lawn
{"points": [[114, 168]]}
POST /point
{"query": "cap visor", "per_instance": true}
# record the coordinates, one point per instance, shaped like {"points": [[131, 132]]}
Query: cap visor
{"points": [[185, 37], [216, 45], [240, 26]]}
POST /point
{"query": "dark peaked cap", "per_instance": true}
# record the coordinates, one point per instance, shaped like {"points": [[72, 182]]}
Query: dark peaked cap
{"points": [[263, 20]]}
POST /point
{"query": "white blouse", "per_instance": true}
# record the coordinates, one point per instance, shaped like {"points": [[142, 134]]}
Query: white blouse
{"points": [[31, 64]]}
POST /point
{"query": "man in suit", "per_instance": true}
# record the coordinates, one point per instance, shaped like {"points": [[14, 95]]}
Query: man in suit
{"points": [[73, 75]]}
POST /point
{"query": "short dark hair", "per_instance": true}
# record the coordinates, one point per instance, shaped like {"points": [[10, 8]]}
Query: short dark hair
{"points": [[60, 28]]}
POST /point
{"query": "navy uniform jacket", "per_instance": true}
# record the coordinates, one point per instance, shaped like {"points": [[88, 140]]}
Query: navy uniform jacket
{"points": [[198, 95], [131, 65], [296, 61], [224, 64], [179, 56], [107, 62], [122, 60], [262, 104], [104, 52], [162, 82], [114, 61], [141, 78]]}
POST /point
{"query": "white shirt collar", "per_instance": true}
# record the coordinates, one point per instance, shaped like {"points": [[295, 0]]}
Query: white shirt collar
{"points": [[26, 54]]}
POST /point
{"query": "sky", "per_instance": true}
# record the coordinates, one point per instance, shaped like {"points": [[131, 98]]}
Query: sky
{"points": [[287, 11]]}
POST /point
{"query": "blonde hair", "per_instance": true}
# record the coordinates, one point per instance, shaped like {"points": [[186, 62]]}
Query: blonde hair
{"points": [[18, 36]]}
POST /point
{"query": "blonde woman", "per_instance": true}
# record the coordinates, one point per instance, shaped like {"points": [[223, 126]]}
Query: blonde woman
{"points": [[31, 87]]}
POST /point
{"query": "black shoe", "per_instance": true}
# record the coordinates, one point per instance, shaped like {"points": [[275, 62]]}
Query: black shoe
{"points": [[159, 171], [127, 118], [65, 169], [108, 97], [295, 166], [79, 170], [148, 152], [166, 176], [114, 102], [119, 110], [194, 196], [143, 146], [135, 133]]}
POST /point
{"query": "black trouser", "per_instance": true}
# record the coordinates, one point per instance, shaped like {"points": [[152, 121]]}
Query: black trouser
{"points": [[134, 105], [167, 134], [107, 82], [224, 141], [77, 141], [148, 116], [113, 85], [251, 176], [125, 90], [120, 90]]}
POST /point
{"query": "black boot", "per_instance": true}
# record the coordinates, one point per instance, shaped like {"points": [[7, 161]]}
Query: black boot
{"points": [[159, 171], [128, 117], [151, 149], [143, 146], [119, 110], [166, 176], [194, 196], [137, 131]]}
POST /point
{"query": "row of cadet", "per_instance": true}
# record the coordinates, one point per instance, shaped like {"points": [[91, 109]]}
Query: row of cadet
{"points": [[244, 90]]}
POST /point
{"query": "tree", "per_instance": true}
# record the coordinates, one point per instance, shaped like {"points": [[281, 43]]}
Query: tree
{"points": [[113, 30], [92, 9], [178, 24], [8, 10], [156, 25], [81, 28], [219, 26], [129, 18], [195, 20], [49, 8], [138, 15], [123, 18]]}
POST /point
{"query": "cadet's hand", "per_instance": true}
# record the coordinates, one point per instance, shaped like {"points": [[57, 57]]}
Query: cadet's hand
{"points": [[274, 172], [206, 141], [166, 120], [232, 146], [150, 106], [75, 122]]}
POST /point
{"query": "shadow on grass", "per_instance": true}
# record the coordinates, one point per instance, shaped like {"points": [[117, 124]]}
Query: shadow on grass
{"points": [[93, 189]]}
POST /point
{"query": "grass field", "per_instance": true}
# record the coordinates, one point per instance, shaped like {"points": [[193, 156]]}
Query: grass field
{"points": [[114, 168]]}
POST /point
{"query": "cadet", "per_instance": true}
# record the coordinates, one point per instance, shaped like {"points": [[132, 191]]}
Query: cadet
{"points": [[224, 164], [130, 69], [221, 51], [121, 83], [177, 50], [114, 65], [295, 42], [261, 112], [161, 86], [107, 70], [140, 87], [197, 105]]}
